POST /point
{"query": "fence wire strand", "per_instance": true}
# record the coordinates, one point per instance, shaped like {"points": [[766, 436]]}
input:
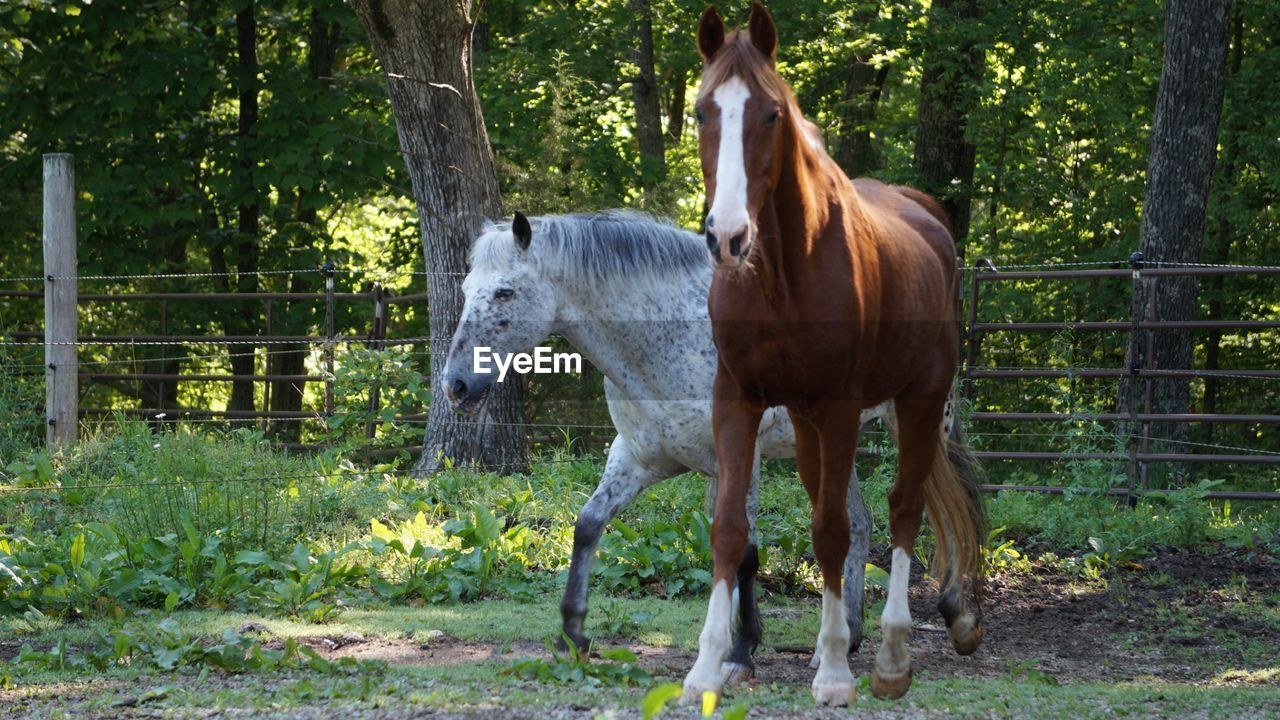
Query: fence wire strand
{"points": [[379, 272]]}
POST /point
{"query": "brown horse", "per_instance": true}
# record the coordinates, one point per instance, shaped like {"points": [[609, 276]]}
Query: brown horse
{"points": [[829, 296]]}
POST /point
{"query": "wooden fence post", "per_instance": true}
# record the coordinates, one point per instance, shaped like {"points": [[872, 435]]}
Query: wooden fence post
{"points": [[1133, 385], [60, 297], [376, 336], [327, 269]]}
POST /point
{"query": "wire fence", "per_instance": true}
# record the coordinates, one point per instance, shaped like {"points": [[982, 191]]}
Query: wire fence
{"points": [[1131, 441], [980, 267]]}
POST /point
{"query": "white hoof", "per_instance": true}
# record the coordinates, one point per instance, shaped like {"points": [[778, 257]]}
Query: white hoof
{"points": [[694, 692], [836, 694]]}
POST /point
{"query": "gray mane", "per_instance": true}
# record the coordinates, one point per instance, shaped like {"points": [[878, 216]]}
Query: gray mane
{"points": [[585, 249]]}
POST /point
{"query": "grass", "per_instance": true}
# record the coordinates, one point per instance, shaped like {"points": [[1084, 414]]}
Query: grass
{"points": [[481, 687], [136, 534]]}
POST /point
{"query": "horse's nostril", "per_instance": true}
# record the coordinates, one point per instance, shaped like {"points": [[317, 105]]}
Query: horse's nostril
{"points": [[712, 242], [459, 388], [735, 245]]}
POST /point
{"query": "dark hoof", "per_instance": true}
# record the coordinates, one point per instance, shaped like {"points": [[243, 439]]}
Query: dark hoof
{"points": [[735, 673], [965, 635], [890, 687], [583, 644]]}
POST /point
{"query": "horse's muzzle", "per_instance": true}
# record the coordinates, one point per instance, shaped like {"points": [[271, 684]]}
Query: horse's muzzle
{"points": [[732, 253], [466, 394]]}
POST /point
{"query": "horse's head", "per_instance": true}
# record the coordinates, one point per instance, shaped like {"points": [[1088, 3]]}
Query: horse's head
{"points": [[510, 307], [743, 109], [743, 106]]}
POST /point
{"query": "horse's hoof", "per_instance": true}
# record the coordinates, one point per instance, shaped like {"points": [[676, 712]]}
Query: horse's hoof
{"points": [[582, 644], [695, 691], [834, 694], [965, 634], [890, 686], [735, 673]]}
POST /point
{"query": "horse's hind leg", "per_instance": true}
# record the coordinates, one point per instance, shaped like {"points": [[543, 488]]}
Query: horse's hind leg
{"points": [[917, 431], [623, 479], [855, 562]]}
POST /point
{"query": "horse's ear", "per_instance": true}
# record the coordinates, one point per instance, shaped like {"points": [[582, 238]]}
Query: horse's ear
{"points": [[522, 231], [764, 34], [710, 33]]}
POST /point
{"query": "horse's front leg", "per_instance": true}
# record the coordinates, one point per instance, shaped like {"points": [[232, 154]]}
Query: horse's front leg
{"points": [[735, 422], [739, 667], [623, 479]]}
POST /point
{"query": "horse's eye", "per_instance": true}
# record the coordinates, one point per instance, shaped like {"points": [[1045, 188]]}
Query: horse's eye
{"points": [[772, 119], [701, 119], [503, 294]]}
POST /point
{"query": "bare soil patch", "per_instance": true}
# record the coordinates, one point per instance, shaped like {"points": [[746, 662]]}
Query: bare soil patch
{"points": [[1056, 623]]}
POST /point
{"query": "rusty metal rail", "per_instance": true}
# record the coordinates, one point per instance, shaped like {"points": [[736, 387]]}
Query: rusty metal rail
{"points": [[1132, 424], [1135, 421]]}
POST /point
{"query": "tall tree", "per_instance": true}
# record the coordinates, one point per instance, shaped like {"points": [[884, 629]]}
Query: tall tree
{"points": [[1184, 147], [245, 241], [1221, 251], [324, 36], [424, 47], [953, 64], [647, 97], [863, 84]]}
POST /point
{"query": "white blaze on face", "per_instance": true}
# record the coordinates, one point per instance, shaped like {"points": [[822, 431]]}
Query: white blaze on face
{"points": [[729, 206]]}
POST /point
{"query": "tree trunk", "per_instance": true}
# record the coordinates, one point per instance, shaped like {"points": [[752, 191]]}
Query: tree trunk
{"points": [[862, 87], [647, 97], [1184, 144], [1222, 251], [246, 243], [322, 54], [678, 80], [425, 50], [953, 64]]}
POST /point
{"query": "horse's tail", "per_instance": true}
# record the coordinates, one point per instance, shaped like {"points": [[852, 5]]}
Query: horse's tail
{"points": [[953, 501]]}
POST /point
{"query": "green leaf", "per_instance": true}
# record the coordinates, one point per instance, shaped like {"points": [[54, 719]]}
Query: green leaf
{"points": [[657, 698], [625, 530], [252, 557], [619, 655], [77, 552], [171, 602]]}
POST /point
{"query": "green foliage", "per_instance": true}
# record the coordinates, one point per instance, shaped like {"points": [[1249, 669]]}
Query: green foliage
{"points": [[21, 405], [573, 667], [165, 647], [667, 557], [396, 380], [656, 699], [180, 482]]}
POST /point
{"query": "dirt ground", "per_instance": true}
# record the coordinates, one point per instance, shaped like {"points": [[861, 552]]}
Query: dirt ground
{"points": [[1210, 622], [1171, 617]]}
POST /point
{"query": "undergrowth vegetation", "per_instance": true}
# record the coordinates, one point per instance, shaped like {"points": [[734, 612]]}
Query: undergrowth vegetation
{"points": [[136, 519]]}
